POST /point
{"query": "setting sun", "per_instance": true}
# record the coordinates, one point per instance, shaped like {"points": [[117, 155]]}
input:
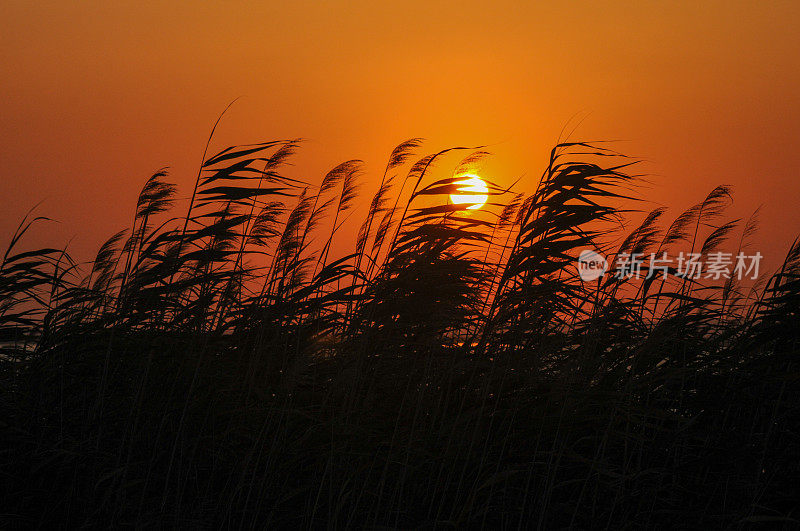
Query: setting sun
{"points": [[374, 265], [475, 192]]}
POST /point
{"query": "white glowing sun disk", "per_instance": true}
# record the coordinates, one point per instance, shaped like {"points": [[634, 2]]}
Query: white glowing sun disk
{"points": [[474, 192]]}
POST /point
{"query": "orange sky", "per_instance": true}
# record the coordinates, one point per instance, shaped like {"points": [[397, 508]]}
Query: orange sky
{"points": [[97, 97]]}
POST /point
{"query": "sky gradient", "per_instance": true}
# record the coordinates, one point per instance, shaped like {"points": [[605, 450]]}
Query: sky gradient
{"points": [[97, 96]]}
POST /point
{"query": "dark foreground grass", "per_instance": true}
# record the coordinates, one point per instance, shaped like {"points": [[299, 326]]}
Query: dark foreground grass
{"points": [[225, 370]]}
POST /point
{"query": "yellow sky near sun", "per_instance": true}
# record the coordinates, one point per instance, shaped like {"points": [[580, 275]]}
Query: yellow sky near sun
{"points": [[97, 95]]}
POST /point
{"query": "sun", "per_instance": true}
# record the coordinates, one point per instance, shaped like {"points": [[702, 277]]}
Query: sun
{"points": [[475, 193]]}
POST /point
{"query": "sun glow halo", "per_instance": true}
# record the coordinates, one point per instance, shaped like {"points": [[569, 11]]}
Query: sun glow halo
{"points": [[474, 192]]}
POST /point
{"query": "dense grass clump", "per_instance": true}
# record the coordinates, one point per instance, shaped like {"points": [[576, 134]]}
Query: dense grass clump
{"points": [[230, 368]]}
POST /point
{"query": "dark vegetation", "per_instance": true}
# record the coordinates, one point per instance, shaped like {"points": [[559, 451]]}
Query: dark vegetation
{"points": [[231, 368]]}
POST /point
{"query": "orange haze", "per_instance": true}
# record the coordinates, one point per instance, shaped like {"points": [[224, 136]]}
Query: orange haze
{"points": [[96, 96]]}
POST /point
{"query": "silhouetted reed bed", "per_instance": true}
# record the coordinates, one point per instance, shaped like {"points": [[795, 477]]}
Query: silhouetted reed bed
{"points": [[233, 368]]}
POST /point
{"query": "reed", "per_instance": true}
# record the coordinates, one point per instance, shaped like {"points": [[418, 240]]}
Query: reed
{"points": [[224, 368]]}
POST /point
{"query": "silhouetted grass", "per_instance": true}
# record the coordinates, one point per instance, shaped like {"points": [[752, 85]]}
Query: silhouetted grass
{"points": [[224, 368]]}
